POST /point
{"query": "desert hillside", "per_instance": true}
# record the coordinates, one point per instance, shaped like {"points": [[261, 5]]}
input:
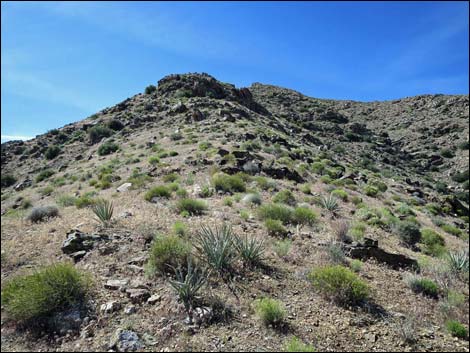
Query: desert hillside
{"points": [[199, 216]]}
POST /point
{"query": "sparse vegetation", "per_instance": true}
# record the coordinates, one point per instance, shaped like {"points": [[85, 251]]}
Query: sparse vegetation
{"points": [[43, 213], [228, 183], [103, 209], [35, 297], [107, 148], [270, 311], [167, 253], [191, 206], [424, 286], [339, 284]]}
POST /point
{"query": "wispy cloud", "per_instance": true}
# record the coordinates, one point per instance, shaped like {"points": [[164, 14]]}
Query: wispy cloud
{"points": [[6, 138]]}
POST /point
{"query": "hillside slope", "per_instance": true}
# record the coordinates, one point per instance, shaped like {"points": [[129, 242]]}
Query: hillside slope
{"points": [[381, 182]]}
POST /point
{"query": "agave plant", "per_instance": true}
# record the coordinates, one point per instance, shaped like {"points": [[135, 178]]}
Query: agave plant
{"points": [[217, 247], [330, 203], [103, 209], [251, 249], [187, 283], [458, 261]]}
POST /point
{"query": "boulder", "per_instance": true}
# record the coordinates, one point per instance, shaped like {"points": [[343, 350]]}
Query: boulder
{"points": [[125, 341]]}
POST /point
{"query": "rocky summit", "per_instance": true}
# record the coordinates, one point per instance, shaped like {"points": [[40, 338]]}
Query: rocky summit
{"points": [[198, 216]]}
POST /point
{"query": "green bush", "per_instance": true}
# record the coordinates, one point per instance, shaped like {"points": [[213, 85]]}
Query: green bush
{"points": [[84, 201], [452, 230], [179, 228], [370, 190], [29, 298], [408, 232], [42, 213], [97, 132], [304, 216], [167, 253], [66, 200], [380, 185], [424, 286], [447, 153], [461, 176], [286, 197], [107, 148], [282, 247], [270, 311], [191, 206], [170, 178], [52, 152], [275, 211], [115, 124], [150, 89], [357, 230], [296, 345], [275, 228], [340, 194], [340, 284], [158, 191], [154, 160], [356, 265], [265, 183], [252, 199], [8, 180], [43, 175], [433, 243], [456, 329], [228, 183]]}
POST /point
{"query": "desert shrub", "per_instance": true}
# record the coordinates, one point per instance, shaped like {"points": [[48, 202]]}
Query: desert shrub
{"points": [[191, 206], [304, 216], [115, 124], [434, 243], [170, 178], [42, 213], [206, 191], [46, 191], [43, 175], [150, 89], [250, 249], [286, 197], [228, 201], [282, 247], [252, 199], [180, 229], [424, 286], [340, 230], [275, 228], [167, 253], [380, 185], [103, 209], [66, 200], [244, 215], [182, 193], [464, 145], [35, 297], [461, 176], [279, 212], [270, 311], [357, 230], [408, 232], [204, 145], [107, 148], [405, 210], [228, 183], [154, 160], [356, 265], [340, 194], [97, 132], [8, 180], [305, 188], [52, 152], [452, 230], [217, 247], [296, 345], [335, 252], [158, 191], [447, 153], [340, 284], [434, 208], [84, 201], [265, 183], [370, 190], [456, 329]]}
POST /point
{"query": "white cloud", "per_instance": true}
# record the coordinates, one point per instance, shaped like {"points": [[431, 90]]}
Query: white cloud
{"points": [[6, 138]]}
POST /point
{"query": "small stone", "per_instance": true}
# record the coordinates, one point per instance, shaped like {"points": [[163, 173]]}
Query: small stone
{"points": [[138, 295], [110, 307], [154, 299], [124, 187], [115, 284], [125, 341], [371, 337], [130, 309]]}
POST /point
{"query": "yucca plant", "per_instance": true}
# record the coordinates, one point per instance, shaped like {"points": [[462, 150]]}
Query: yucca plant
{"points": [[103, 209], [251, 250], [458, 261], [217, 247], [187, 283], [330, 203]]}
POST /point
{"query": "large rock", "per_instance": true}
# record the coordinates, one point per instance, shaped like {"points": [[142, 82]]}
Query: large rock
{"points": [[79, 241], [370, 249], [283, 173], [125, 341]]}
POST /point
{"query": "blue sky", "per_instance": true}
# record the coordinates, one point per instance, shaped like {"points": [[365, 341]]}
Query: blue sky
{"points": [[61, 62]]}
